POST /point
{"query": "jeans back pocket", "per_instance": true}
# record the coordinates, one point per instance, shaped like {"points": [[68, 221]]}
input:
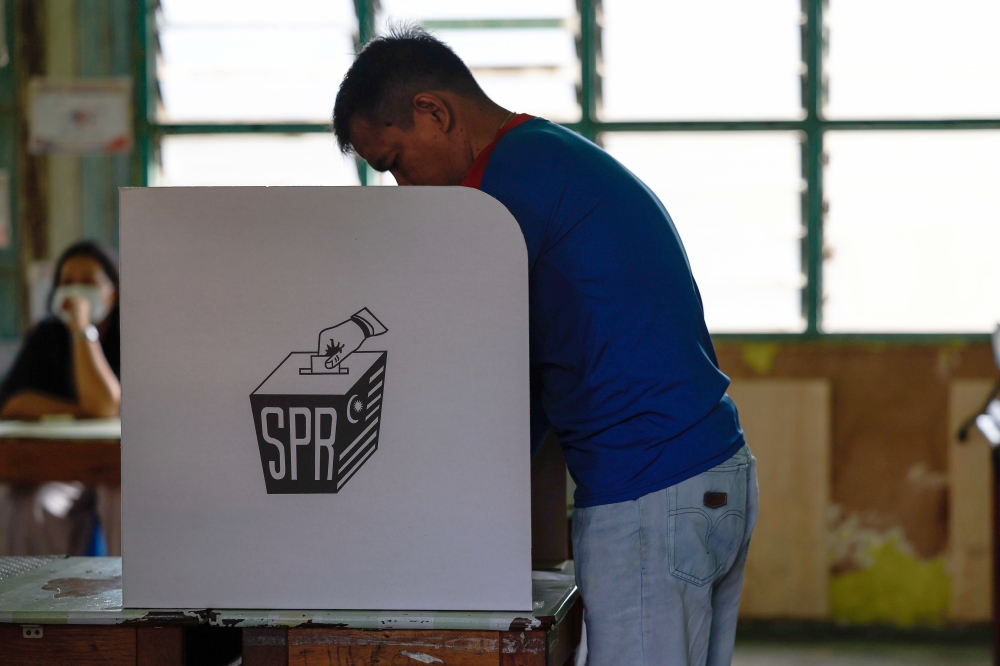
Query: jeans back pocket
{"points": [[703, 539]]}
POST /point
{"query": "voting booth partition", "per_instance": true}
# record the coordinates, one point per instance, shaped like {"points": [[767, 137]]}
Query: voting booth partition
{"points": [[325, 399]]}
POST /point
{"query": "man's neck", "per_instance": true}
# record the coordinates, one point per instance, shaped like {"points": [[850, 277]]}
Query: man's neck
{"points": [[482, 123]]}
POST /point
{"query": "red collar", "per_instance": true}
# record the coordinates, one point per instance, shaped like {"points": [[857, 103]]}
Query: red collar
{"points": [[474, 178]]}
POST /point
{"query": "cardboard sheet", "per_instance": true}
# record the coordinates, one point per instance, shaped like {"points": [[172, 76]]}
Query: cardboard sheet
{"points": [[325, 399]]}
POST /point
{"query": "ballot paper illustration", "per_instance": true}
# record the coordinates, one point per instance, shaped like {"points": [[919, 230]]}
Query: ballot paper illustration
{"points": [[317, 414]]}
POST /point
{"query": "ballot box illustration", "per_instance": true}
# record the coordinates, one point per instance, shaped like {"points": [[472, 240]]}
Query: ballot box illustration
{"points": [[317, 415], [326, 400]]}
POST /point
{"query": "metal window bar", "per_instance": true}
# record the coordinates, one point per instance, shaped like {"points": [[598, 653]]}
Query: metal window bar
{"points": [[812, 126]]}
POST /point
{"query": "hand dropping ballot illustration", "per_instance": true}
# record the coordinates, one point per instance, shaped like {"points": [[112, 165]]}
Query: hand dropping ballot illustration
{"points": [[317, 414]]}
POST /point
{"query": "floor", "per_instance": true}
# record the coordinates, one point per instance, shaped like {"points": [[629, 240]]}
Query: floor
{"points": [[860, 654]]}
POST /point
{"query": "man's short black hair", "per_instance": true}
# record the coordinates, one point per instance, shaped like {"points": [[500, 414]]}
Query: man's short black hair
{"points": [[392, 69]]}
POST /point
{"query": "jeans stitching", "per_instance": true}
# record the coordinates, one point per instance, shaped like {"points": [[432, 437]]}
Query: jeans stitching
{"points": [[642, 580], [721, 468], [673, 512], [679, 512]]}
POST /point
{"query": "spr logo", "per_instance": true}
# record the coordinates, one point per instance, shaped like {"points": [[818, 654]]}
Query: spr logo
{"points": [[317, 414]]}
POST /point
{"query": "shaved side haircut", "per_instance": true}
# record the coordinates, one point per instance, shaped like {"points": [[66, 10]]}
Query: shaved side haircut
{"points": [[389, 72]]}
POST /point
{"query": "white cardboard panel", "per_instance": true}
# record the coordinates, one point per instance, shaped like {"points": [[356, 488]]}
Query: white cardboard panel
{"points": [[219, 287]]}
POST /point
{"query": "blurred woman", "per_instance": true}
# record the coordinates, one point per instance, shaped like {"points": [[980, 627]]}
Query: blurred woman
{"points": [[69, 364]]}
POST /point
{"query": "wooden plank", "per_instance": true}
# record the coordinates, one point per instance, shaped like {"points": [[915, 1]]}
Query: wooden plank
{"points": [[349, 647], [160, 646], [970, 506], [265, 646], [539, 648], [787, 425], [524, 648], [80, 645], [549, 527], [94, 461]]}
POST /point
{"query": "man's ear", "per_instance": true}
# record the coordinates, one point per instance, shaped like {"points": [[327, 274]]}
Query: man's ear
{"points": [[434, 109]]}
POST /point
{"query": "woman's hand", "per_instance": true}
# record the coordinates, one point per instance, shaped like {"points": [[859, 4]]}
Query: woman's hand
{"points": [[33, 405], [78, 309], [98, 390]]}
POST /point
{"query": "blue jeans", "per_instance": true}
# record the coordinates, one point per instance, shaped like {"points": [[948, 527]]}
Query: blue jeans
{"points": [[661, 576]]}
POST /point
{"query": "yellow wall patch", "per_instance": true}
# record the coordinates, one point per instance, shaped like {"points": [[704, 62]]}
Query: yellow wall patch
{"points": [[898, 589]]}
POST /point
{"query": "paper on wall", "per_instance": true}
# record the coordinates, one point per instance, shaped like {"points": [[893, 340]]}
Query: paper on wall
{"points": [[41, 275], [80, 115]]}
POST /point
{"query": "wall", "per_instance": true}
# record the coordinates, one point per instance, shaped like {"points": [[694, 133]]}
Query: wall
{"points": [[888, 522]]}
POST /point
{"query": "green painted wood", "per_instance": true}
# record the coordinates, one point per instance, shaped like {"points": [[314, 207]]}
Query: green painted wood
{"points": [[643, 126], [105, 50], [8, 162], [95, 181], [241, 128], [365, 13], [792, 125], [813, 167], [10, 264], [144, 87], [10, 325], [95, 37], [493, 24], [7, 72], [587, 50]]}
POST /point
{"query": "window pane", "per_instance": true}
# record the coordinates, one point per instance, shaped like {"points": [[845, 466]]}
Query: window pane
{"points": [[422, 10], [678, 59], [913, 231], [913, 58], [257, 12], [254, 159], [530, 70], [526, 70], [253, 61], [736, 201]]}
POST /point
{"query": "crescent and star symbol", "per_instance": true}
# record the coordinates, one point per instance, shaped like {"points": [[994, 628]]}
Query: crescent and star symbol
{"points": [[354, 408]]}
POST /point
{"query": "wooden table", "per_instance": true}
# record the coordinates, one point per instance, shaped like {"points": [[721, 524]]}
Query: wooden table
{"points": [[68, 610], [85, 451]]}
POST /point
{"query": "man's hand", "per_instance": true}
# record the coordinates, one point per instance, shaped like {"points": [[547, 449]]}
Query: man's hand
{"points": [[337, 342]]}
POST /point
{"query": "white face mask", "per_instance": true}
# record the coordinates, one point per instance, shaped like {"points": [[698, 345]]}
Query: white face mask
{"points": [[92, 293]]}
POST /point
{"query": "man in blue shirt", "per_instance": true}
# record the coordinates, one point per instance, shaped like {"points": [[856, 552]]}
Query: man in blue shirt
{"points": [[623, 368]]}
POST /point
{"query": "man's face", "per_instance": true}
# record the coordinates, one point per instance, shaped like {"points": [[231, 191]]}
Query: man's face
{"points": [[431, 152]]}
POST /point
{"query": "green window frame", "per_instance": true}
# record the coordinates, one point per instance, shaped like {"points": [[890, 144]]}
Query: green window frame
{"points": [[10, 260], [812, 127]]}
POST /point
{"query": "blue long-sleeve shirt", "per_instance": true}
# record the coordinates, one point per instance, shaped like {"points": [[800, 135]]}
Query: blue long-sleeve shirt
{"points": [[623, 367]]}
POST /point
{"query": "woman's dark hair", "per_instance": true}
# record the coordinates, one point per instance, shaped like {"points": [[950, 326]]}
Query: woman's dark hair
{"points": [[90, 250], [390, 70]]}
